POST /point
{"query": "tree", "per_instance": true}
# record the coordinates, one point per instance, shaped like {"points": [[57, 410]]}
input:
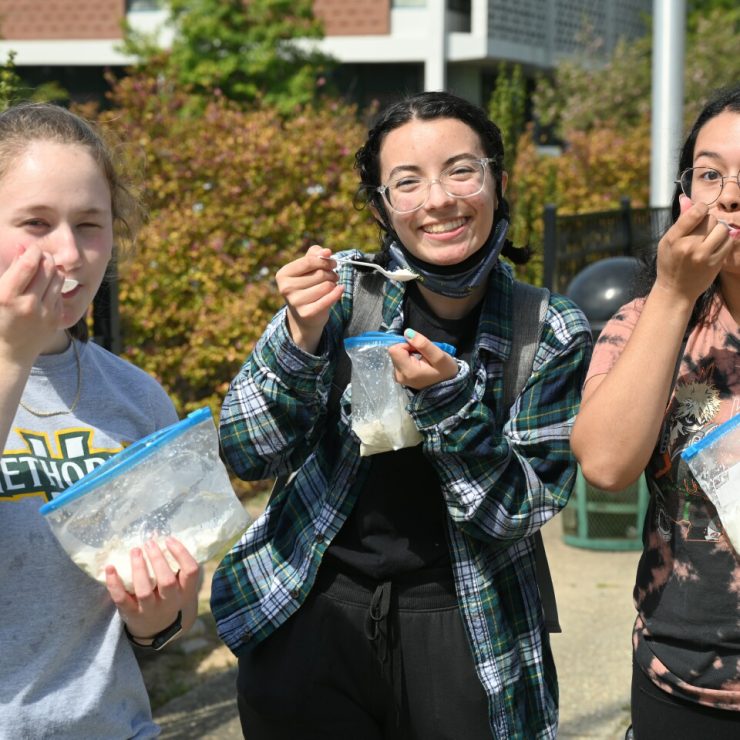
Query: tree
{"points": [[617, 94], [507, 107], [10, 82], [247, 50]]}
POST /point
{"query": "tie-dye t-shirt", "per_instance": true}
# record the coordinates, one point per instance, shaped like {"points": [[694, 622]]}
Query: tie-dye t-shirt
{"points": [[687, 593]]}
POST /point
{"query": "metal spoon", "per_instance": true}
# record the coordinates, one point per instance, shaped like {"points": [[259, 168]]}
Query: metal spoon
{"points": [[400, 275]]}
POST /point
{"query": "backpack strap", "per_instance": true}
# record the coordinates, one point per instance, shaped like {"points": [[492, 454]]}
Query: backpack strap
{"points": [[528, 312], [367, 315]]}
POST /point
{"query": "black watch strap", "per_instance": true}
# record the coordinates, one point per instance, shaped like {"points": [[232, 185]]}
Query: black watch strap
{"points": [[159, 640]]}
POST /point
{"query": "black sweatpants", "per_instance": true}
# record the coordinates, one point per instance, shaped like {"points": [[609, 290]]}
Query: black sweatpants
{"points": [[658, 715], [367, 661]]}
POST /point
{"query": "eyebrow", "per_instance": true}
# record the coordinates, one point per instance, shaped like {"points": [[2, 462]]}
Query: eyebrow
{"points": [[707, 153], [449, 161], [42, 208]]}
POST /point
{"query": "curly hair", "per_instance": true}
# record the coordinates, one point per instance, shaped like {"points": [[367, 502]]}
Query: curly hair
{"points": [[428, 106]]}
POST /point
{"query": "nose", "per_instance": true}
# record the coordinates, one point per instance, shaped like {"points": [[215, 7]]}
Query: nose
{"points": [[62, 244], [729, 198], [438, 197]]}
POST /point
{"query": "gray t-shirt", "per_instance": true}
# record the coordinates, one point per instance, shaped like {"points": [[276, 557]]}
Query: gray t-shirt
{"points": [[66, 668]]}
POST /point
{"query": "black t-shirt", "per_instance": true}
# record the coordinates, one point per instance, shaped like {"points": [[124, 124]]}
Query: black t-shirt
{"points": [[398, 524]]}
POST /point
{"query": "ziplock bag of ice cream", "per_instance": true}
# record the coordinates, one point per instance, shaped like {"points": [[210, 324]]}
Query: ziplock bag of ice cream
{"points": [[171, 482], [379, 415], [715, 463]]}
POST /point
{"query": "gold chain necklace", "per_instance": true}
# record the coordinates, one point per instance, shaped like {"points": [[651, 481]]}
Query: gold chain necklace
{"points": [[69, 410]]}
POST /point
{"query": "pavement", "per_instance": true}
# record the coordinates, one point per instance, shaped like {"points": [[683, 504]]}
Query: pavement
{"points": [[592, 654]]}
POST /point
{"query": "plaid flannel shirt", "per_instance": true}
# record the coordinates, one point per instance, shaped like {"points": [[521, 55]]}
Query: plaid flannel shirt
{"points": [[503, 473]]}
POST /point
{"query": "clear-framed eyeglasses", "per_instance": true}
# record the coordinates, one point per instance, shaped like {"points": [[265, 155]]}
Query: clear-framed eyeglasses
{"points": [[704, 184], [463, 179]]}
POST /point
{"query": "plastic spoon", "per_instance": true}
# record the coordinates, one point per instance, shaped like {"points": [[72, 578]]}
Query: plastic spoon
{"points": [[400, 275]]}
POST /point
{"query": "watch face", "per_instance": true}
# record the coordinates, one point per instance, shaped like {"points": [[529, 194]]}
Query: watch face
{"points": [[166, 635]]}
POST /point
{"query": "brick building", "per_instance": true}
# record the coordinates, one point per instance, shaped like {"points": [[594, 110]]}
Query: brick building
{"points": [[383, 46]]}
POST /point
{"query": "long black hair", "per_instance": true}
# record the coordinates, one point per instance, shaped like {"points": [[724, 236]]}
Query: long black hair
{"points": [[428, 106], [726, 99]]}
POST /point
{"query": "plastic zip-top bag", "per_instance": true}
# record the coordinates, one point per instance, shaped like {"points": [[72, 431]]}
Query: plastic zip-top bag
{"points": [[171, 482], [379, 415], [715, 463]]}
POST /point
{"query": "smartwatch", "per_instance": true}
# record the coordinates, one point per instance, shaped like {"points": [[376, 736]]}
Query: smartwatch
{"points": [[159, 640]]}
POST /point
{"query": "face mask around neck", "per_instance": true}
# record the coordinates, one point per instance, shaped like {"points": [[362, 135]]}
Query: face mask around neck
{"points": [[455, 281]]}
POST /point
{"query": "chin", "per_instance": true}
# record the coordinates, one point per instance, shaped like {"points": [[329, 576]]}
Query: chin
{"points": [[445, 255]]}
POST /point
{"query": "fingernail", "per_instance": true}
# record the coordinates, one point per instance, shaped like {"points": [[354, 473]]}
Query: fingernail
{"points": [[409, 333]]}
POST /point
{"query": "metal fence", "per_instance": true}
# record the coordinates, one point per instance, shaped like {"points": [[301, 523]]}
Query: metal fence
{"points": [[106, 325], [572, 242]]}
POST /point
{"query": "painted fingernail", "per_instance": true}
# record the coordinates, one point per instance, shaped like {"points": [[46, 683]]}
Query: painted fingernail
{"points": [[409, 333]]}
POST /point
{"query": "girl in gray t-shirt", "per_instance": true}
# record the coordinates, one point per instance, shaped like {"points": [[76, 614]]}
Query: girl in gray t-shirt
{"points": [[66, 405]]}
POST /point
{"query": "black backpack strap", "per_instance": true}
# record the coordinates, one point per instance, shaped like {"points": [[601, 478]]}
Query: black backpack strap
{"points": [[528, 317], [367, 315]]}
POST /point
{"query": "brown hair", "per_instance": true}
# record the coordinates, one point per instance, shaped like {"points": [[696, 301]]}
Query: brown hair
{"points": [[22, 124]]}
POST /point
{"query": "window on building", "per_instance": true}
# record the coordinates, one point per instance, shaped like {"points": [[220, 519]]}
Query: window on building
{"points": [[133, 6], [409, 3]]}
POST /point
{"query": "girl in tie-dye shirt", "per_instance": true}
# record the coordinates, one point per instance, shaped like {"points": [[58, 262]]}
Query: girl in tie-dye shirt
{"points": [[664, 373]]}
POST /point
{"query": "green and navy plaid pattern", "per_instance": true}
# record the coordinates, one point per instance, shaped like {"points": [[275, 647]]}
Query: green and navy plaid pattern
{"points": [[503, 473]]}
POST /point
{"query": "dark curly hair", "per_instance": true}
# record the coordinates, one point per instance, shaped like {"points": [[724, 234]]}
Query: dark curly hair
{"points": [[428, 106], [726, 99]]}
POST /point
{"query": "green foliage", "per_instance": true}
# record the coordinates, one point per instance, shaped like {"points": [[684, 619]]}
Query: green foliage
{"points": [[507, 108], [581, 97], [10, 83], [233, 195], [13, 89], [247, 51]]}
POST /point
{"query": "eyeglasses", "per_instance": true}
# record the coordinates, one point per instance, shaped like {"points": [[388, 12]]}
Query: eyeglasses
{"points": [[704, 184], [463, 179]]}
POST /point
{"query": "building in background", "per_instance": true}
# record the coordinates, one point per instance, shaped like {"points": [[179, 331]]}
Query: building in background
{"points": [[383, 46]]}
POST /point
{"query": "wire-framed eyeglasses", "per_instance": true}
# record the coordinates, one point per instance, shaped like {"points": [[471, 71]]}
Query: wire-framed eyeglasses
{"points": [[463, 179], [704, 184]]}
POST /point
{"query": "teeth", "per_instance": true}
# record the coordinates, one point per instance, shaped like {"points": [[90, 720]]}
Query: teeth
{"points": [[69, 285], [447, 226]]}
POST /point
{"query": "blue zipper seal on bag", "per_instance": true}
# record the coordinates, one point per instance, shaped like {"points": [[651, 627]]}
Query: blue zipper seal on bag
{"points": [[381, 338], [711, 438], [126, 459]]}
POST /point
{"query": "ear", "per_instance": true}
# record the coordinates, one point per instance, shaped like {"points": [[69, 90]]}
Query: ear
{"points": [[375, 211], [504, 181], [378, 216]]}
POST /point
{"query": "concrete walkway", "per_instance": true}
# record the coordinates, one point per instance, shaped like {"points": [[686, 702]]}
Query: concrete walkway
{"points": [[593, 653]]}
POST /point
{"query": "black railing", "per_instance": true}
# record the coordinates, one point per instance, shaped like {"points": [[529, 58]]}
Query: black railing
{"points": [[572, 242], [106, 325]]}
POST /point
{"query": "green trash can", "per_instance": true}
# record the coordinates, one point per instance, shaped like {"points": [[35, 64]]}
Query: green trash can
{"points": [[605, 520]]}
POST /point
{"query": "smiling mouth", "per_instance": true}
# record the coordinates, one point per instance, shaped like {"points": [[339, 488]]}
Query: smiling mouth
{"points": [[69, 285], [442, 228]]}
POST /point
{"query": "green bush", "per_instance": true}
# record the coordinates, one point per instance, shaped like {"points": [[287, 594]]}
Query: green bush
{"points": [[232, 196]]}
